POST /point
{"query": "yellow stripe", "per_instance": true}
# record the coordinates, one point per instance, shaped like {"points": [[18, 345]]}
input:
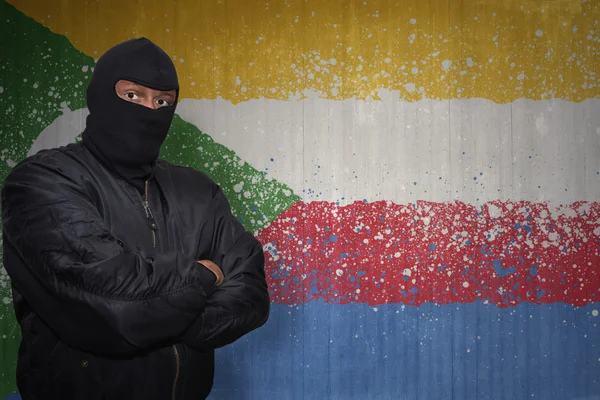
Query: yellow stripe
{"points": [[244, 49]]}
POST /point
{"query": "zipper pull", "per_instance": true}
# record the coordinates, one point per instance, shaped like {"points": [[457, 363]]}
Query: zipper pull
{"points": [[146, 205], [149, 215], [147, 209]]}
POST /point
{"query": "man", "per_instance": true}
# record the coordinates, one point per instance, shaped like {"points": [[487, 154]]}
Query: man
{"points": [[127, 271]]}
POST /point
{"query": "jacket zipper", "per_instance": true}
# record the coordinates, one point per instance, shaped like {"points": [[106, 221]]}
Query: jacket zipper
{"points": [[149, 215], [153, 227]]}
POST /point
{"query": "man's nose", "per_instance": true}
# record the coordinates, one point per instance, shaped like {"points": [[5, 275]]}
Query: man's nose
{"points": [[148, 103]]}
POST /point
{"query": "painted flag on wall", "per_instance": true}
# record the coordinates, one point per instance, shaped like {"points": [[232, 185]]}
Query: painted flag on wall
{"points": [[424, 178]]}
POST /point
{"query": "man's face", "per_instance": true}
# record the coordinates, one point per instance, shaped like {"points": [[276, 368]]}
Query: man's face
{"points": [[142, 95]]}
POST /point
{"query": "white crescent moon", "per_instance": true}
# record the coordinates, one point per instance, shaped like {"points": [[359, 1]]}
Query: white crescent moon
{"points": [[62, 131]]}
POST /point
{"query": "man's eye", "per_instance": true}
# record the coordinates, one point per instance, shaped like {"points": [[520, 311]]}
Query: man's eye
{"points": [[131, 96], [163, 103]]}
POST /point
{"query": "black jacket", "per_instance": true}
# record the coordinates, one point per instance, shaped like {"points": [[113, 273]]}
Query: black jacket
{"points": [[108, 293]]}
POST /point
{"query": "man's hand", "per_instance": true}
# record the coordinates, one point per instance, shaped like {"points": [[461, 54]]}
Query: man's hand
{"points": [[214, 268]]}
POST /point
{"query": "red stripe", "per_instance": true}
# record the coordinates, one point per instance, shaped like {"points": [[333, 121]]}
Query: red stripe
{"points": [[503, 253]]}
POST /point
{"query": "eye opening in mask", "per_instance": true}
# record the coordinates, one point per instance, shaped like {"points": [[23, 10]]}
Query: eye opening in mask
{"points": [[145, 96]]}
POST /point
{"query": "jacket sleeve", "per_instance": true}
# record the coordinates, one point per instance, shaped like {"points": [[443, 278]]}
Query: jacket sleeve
{"points": [[80, 280], [241, 304]]}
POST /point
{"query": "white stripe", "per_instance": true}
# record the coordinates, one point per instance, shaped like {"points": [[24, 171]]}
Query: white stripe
{"points": [[375, 150]]}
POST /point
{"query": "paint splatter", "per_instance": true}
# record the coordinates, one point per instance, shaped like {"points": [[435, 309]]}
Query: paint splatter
{"points": [[502, 253], [255, 199], [41, 76], [353, 49]]}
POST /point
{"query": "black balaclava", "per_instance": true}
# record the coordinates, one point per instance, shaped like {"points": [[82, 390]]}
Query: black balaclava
{"points": [[126, 136]]}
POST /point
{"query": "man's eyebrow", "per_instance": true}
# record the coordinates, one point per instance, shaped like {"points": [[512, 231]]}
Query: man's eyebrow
{"points": [[128, 86]]}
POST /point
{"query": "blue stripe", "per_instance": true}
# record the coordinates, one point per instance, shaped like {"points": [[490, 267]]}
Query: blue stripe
{"points": [[458, 351]]}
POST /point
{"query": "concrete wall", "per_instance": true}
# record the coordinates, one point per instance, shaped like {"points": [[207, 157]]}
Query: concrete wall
{"points": [[424, 177]]}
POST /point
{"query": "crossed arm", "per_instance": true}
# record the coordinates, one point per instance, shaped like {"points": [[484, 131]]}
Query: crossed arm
{"points": [[100, 298]]}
